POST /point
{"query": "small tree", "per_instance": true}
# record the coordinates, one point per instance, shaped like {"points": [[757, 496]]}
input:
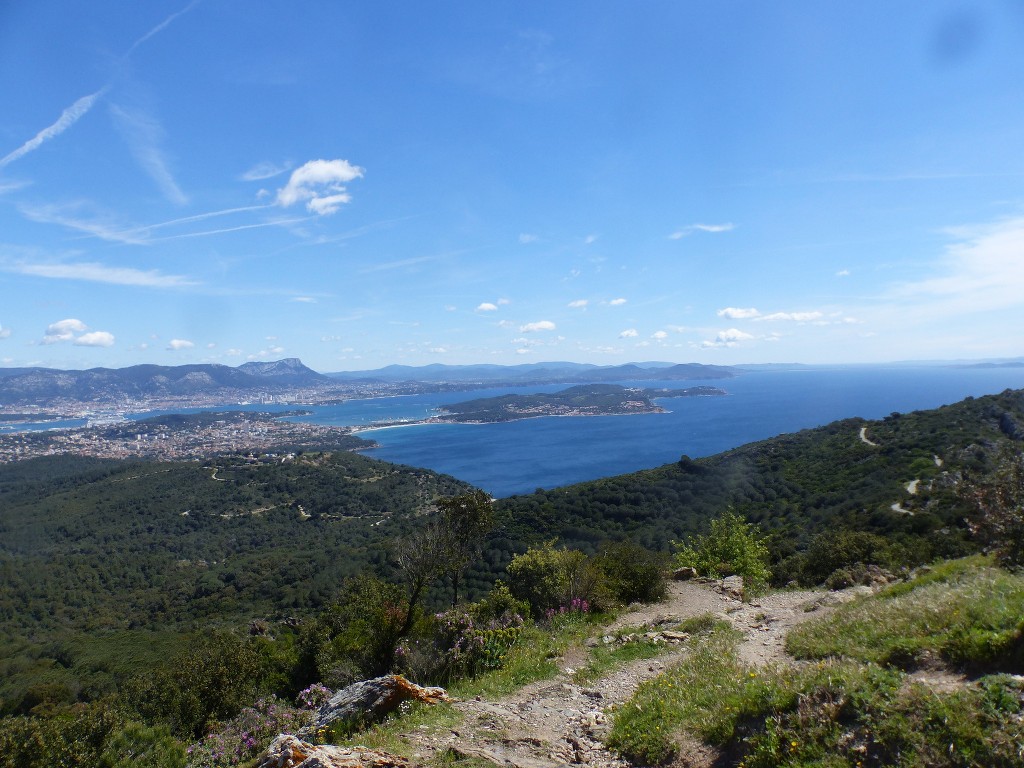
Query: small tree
{"points": [[465, 521], [733, 546], [422, 558], [998, 502]]}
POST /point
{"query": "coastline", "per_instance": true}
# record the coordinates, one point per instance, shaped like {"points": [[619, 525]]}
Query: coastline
{"points": [[434, 421]]}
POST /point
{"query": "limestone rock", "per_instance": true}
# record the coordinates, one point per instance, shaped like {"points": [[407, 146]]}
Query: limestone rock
{"points": [[733, 586], [369, 701], [684, 574], [287, 751]]}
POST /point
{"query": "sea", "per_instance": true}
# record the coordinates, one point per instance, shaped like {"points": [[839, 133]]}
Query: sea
{"points": [[547, 452], [521, 456]]}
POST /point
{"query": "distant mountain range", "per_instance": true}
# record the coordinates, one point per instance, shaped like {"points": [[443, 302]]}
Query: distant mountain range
{"points": [[43, 385], [540, 373]]}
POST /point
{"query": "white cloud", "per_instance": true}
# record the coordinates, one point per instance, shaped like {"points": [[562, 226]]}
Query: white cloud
{"points": [[727, 338], [486, 306], [8, 185], [542, 325], [68, 117], [439, 350], [99, 273], [178, 344], [95, 339], [63, 330], [304, 299], [78, 333], [144, 135], [5, 333], [578, 304], [617, 302], [738, 313], [321, 183], [982, 272], [71, 216], [843, 273], [506, 324], [523, 351], [799, 317], [712, 228], [590, 239], [525, 238], [503, 302], [659, 335], [266, 170], [629, 333], [233, 352]]}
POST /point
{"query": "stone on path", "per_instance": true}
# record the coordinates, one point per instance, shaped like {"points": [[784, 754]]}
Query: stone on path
{"points": [[291, 752]]}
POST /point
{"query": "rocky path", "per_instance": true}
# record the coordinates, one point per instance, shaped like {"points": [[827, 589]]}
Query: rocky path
{"points": [[558, 722]]}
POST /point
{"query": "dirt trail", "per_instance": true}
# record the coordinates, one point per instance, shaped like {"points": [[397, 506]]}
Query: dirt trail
{"points": [[557, 722]]}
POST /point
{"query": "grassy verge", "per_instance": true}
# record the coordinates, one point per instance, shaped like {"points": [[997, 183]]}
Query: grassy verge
{"points": [[533, 657], [389, 736], [967, 613], [851, 712], [630, 644]]}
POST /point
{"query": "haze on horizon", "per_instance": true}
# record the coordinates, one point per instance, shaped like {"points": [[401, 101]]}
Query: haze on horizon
{"points": [[217, 181]]}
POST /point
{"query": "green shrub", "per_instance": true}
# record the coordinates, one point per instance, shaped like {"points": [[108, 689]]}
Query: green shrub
{"points": [[632, 573], [500, 604], [211, 681], [355, 638], [549, 578], [733, 546], [139, 746], [833, 551], [71, 738]]}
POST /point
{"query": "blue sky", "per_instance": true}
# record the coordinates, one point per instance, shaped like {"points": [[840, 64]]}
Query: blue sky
{"points": [[358, 184]]}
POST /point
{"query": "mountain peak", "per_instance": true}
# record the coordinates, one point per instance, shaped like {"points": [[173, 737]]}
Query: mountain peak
{"points": [[289, 366]]}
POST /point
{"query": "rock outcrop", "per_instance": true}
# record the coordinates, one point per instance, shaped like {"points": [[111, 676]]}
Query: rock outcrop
{"points": [[369, 701]]}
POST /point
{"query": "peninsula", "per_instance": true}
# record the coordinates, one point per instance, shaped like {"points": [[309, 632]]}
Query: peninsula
{"points": [[583, 400]]}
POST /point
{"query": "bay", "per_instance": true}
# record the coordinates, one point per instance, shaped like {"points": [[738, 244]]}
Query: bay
{"points": [[520, 456]]}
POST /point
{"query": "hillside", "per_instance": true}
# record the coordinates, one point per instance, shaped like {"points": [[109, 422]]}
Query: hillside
{"points": [[90, 544], [895, 477], [152, 603]]}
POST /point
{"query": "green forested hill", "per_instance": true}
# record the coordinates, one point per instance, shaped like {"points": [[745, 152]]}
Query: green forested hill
{"points": [[799, 485], [97, 545]]}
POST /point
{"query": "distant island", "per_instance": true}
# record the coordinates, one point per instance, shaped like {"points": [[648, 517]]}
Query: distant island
{"points": [[583, 400]]}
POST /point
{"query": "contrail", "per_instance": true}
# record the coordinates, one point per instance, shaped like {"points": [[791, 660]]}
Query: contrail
{"points": [[68, 118], [160, 27], [71, 115]]}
